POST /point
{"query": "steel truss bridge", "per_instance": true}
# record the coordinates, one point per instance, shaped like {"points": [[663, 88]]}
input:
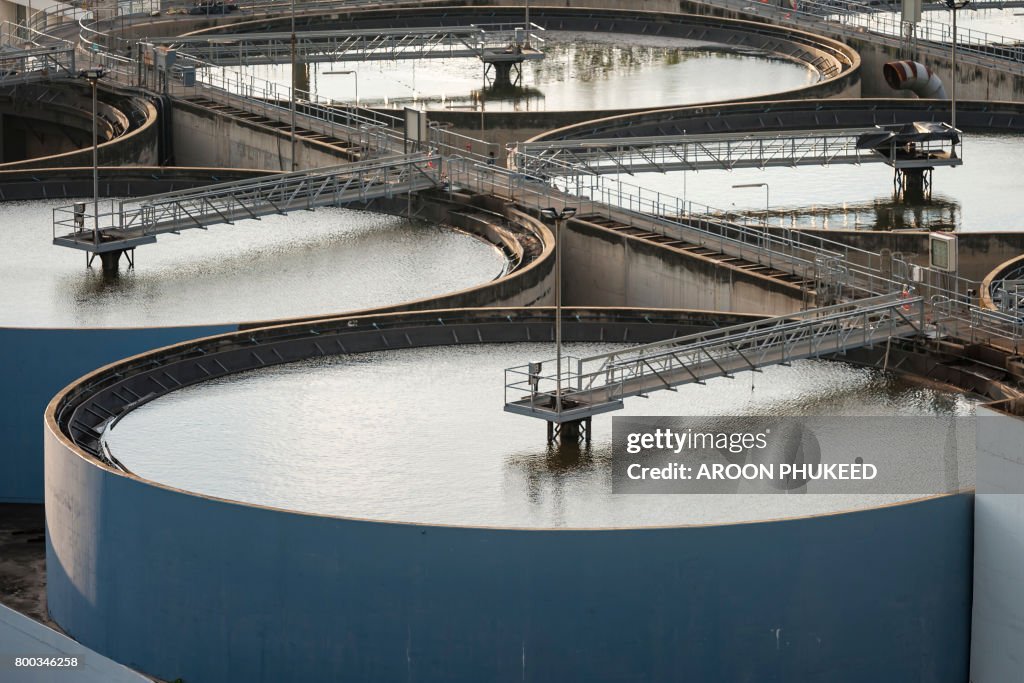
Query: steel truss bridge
{"points": [[598, 384], [728, 151], [488, 42], [128, 224]]}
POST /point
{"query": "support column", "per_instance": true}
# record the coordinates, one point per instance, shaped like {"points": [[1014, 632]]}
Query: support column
{"points": [[573, 431], [111, 260], [913, 185]]}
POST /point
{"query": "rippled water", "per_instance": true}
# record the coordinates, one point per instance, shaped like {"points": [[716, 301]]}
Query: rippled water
{"points": [[326, 261], [420, 435], [972, 197], [580, 71]]}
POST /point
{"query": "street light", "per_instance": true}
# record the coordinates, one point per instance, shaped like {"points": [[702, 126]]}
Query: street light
{"points": [[294, 79], [559, 217], [767, 203], [93, 76], [954, 5], [346, 72]]}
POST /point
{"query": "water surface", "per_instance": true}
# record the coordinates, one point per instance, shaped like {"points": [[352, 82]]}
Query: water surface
{"points": [[580, 71], [304, 263], [970, 198]]}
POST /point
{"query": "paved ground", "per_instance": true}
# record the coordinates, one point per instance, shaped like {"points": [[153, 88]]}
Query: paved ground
{"points": [[31, 652], [23, 560]]}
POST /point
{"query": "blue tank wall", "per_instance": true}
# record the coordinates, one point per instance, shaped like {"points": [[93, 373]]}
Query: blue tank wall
{"points": [[211, 591], [37, 363]]}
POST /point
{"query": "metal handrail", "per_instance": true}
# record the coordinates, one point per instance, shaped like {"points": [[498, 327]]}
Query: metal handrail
{"points": [[151, 215]]}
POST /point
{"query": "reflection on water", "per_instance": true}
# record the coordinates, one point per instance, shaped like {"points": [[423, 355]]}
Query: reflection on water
{"points": [[976, 196], [420, 435], [324, 261], [937, 213], [580, 71]]}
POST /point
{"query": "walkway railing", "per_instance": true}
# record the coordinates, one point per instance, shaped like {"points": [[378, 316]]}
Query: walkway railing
{"points": [[440, 42], [599, 383], [27, 55], [129, 223], [665, 153]]}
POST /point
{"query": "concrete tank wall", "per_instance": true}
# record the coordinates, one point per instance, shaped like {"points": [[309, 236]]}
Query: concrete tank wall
{"points": [[604, 268], [72, 115], [180, 585], [998, 624], [203, 138]]}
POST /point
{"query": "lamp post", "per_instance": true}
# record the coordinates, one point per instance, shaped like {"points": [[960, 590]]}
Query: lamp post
{"points": [[346, 72], [526, 27], [292, 99], [767, 202], [560, 217], [954, 5], [93, 76]]}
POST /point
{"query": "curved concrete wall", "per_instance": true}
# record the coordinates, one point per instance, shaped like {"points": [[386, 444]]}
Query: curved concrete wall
{"points": [[138, 144], [182, 585], [980, 116]]}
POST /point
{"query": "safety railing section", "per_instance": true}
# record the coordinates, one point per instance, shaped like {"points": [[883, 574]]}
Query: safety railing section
{"points": [[852, 18], [791, 251], [28, 55], [359, 45], [598, 383], [535, 386], [974, 323], [128, 220], [697, 152]]}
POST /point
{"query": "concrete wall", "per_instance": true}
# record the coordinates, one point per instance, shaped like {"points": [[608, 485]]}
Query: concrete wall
{"points": [[605, 268], [182, 585], [67, 128], [998, 622], [203, 138]]}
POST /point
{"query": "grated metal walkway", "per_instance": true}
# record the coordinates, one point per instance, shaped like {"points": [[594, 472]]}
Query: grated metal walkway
{"points": [[131, 223], [483, 41], [892, 145], [598, 384]]}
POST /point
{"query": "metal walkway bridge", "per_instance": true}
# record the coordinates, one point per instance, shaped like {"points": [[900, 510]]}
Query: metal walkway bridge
{"points": [[488, 42], [128, 224], [27, 56], [598, 384], [739, 150]]}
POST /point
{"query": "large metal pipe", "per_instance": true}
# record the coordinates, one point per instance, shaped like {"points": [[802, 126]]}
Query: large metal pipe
{"points": [[916, 77]]}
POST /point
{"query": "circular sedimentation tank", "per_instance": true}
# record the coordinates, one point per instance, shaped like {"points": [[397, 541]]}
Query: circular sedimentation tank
{"points": [[425, 522], [580, 71], [417, 435], [301, 264]]}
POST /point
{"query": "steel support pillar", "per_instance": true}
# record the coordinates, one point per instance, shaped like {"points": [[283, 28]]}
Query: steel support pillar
{"points": [[573, 431]]}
